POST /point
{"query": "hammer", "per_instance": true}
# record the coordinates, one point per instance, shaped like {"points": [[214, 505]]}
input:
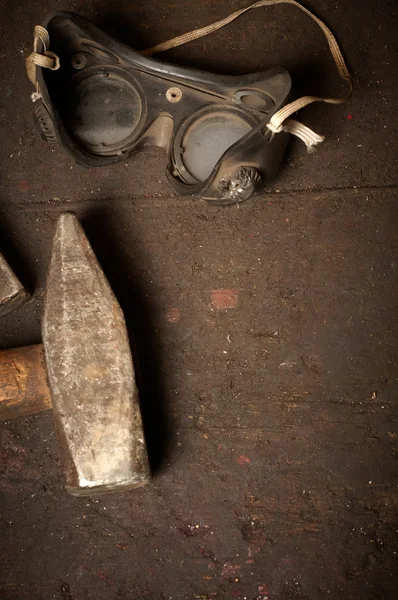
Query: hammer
{"points": [[83, 371]]}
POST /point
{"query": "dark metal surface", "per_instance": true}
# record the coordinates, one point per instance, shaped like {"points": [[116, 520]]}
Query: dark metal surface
{"points": [[90, 371]]}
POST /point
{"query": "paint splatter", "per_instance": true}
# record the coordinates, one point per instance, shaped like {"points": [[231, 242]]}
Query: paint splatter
{"points": [[223, 299], [173, 315], [102, 575], [23, 186], [349, 116], [263, 591], [243, 460]]}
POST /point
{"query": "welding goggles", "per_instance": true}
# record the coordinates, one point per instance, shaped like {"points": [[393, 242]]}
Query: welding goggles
{"points": [[103, 100]]}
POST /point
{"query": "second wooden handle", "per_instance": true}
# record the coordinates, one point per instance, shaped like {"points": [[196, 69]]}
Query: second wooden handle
{"points": [[23, 382]]}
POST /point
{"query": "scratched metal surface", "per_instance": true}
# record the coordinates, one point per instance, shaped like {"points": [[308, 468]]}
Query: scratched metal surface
{"points": [[266, 335], [90, 371]]}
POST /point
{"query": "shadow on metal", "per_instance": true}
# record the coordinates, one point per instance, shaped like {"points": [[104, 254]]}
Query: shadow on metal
{"points": [[101, 227]]}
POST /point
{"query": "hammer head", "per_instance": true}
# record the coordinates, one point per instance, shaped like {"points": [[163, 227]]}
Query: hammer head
{"points": [[90, 371], [12, 292]]}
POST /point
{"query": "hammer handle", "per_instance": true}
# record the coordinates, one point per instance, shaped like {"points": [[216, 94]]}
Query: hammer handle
{"points": [[23, 382]]}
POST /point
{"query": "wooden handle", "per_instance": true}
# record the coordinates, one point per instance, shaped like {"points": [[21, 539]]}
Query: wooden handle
{"points": [[23, 382]]}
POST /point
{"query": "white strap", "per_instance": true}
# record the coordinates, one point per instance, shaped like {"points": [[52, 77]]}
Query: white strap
{"points": [[278, 121], [309, 137], [40, 57]]}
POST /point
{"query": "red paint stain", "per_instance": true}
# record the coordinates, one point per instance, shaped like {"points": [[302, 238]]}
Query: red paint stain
{"points": [[173, 315], [243, 460], [349, 116], [23, 186], [263, 590], [224, 298]]}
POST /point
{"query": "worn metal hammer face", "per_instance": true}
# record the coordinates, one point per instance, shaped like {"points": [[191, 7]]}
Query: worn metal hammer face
{"points": [[12, 292], [90, 371]]}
